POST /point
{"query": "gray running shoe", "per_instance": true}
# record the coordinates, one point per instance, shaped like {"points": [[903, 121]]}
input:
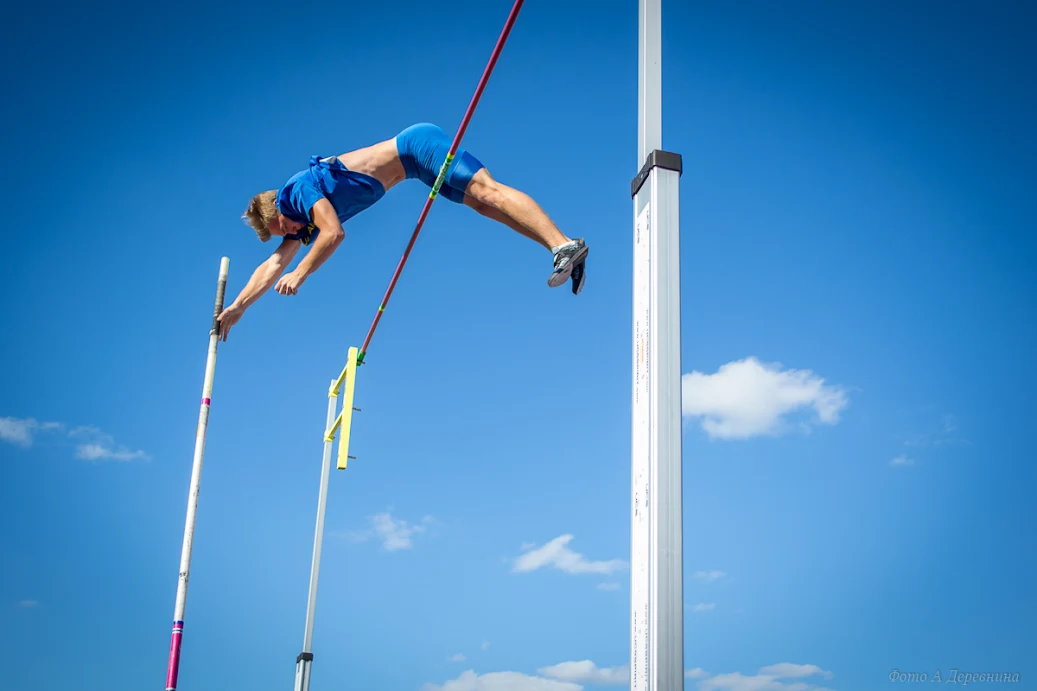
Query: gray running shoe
{"points": [[567, 257]]}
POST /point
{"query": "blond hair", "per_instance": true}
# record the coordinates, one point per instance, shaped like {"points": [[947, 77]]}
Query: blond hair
{"points": [[261, 212]]}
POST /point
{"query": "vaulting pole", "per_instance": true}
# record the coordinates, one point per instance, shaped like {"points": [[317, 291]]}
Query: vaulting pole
{"points": [[196, 475], [443, 171]]}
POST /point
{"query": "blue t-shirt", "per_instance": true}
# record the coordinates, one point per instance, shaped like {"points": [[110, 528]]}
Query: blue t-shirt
{"points": [[348, 191]]}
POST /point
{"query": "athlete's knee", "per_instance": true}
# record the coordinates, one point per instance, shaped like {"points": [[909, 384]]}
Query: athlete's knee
{"points": [[477, 205], [485, 190]]}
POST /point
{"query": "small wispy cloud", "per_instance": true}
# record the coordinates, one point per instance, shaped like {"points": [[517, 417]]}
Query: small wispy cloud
{"points": [[941, 433], [96, 445], [394, 534], [28, 603], [708, 576], [485, 645], [557, 554], [93, 444], [748, 398], [789, 670], [571, 676], [100, 452], [15, 431], [502, 681], [22, 431], [771, 678], [586, 672], [397, 534], [902, 460], [612, 585], [460, 657], [704, 607]]}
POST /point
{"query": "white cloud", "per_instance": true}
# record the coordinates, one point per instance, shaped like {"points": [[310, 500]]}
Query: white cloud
{"points": [[485, 645], [586, 672], [767, 679], [394, 534], [571, 676], [502, 681], [736, 681], [460, 657], [94, 444], [608, 586], [902, 460], [20, 431], [100, 452], [704, 607], [98, 446], [790, 670], [16, 431], [748, 398], [556, 553], [28, 603], [708, 576]]}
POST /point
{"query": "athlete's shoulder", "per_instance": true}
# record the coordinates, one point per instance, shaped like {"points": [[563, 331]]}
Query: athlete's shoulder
{"points": [[297, 196]]}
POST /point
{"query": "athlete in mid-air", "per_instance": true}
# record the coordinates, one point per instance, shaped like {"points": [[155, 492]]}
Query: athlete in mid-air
{"points": [[312, 206]]}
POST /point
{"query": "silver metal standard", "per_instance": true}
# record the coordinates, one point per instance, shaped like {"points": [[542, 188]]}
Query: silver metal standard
{"points": [[656, 574], [649, 78], [305, 659]]}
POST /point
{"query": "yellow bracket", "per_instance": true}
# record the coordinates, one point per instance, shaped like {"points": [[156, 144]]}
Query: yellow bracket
{"points": [[345, 417]]}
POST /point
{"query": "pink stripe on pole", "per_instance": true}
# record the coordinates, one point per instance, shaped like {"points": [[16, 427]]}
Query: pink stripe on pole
{"points": [[174, 655], [206, 401]]}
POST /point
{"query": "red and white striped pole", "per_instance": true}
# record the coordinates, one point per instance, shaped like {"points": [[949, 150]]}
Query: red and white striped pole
{"points": [[196, 475]]}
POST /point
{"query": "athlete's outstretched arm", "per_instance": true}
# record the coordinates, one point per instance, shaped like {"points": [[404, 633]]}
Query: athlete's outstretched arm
{"points": [[330, 237], [262, 278]]}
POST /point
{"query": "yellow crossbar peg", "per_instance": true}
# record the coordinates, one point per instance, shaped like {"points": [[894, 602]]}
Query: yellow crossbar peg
{"points": [[348, 377]]}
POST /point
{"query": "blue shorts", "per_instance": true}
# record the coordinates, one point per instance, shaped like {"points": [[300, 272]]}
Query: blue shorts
{"points": [[423, 148]]}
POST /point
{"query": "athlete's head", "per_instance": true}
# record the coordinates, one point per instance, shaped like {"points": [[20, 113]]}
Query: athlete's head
{"points": [[265, 219]]}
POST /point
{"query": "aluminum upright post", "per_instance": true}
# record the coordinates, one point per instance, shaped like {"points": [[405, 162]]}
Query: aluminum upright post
{"points": [[656, 574], [305, 659]]}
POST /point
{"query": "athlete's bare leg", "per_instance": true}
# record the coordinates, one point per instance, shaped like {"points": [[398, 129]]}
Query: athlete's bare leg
{"points": [[513, 208]]}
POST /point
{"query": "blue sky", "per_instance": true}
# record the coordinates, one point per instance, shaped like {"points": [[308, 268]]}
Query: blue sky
{"points": [[858, 318]]}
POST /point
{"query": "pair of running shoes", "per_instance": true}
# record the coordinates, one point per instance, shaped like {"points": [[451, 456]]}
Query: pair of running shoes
{"points": [[570, 262]]}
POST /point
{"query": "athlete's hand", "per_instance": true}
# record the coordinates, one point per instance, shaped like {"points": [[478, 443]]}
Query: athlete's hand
{"points": [[228, 318], [290, 283]]}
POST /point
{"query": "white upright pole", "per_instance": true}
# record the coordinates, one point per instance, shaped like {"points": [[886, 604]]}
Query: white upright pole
{"points": [[305, 659], [173, 669], [656, 574]]}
